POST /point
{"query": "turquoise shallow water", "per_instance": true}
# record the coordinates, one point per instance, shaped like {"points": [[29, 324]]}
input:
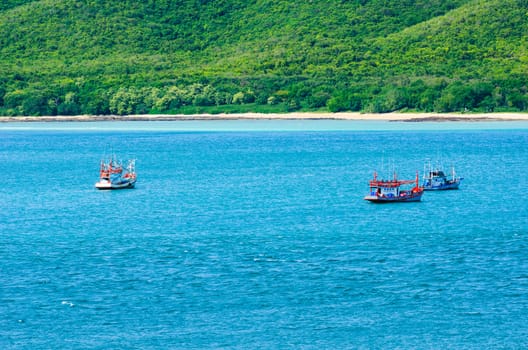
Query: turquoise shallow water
{"points": [[255, 235]]}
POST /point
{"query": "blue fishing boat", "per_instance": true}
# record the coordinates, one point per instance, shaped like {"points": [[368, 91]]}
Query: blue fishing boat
{"points": [[388, 191], [114, 176], [435, 179]]}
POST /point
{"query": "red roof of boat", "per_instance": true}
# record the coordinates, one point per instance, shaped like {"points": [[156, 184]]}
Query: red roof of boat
{"points": [[390, 183]]}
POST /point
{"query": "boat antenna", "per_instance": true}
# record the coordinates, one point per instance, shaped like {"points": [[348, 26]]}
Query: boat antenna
{"points": [[382, 163]]}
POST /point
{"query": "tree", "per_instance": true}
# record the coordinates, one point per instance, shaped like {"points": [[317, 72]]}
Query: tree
{"points": [[125, 101], [70, 106]]}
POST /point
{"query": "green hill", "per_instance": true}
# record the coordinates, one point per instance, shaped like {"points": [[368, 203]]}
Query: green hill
{"points": [[163, 56]]}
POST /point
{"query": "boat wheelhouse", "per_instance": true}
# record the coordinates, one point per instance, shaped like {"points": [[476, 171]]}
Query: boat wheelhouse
{"points": [[113, 176], [387, 191]]}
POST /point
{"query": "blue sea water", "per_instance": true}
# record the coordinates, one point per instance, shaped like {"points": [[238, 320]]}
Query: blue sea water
{"points": [[255, 234]]}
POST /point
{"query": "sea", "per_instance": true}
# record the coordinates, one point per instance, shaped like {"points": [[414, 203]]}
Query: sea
{"points": [[255, 235]]}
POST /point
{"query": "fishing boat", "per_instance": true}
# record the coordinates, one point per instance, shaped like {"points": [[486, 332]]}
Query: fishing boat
{"points": [[114, 176], [388, 191], [435, 179]]}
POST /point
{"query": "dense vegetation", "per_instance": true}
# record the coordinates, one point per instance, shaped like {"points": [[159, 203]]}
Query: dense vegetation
{"points": [[72, 57]]}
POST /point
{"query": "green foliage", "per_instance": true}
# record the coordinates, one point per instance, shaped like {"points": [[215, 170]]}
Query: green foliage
{"points": [[73, 57]]}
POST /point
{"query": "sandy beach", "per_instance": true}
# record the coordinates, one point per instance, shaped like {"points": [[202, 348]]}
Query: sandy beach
{"points": [[408, 117]]}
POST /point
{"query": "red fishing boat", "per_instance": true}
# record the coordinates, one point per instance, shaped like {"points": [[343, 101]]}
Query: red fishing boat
{"points": [[387, 191], [113, 176]]}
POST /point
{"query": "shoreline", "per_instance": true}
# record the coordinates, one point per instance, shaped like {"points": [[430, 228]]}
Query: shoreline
{"points": [[393, 117]]}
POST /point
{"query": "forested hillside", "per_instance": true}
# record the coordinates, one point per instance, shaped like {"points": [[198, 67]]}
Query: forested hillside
{"points": [[72, 57]]}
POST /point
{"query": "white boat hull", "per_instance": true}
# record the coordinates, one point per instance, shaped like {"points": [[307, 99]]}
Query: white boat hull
{"points": [[107, 185]]}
